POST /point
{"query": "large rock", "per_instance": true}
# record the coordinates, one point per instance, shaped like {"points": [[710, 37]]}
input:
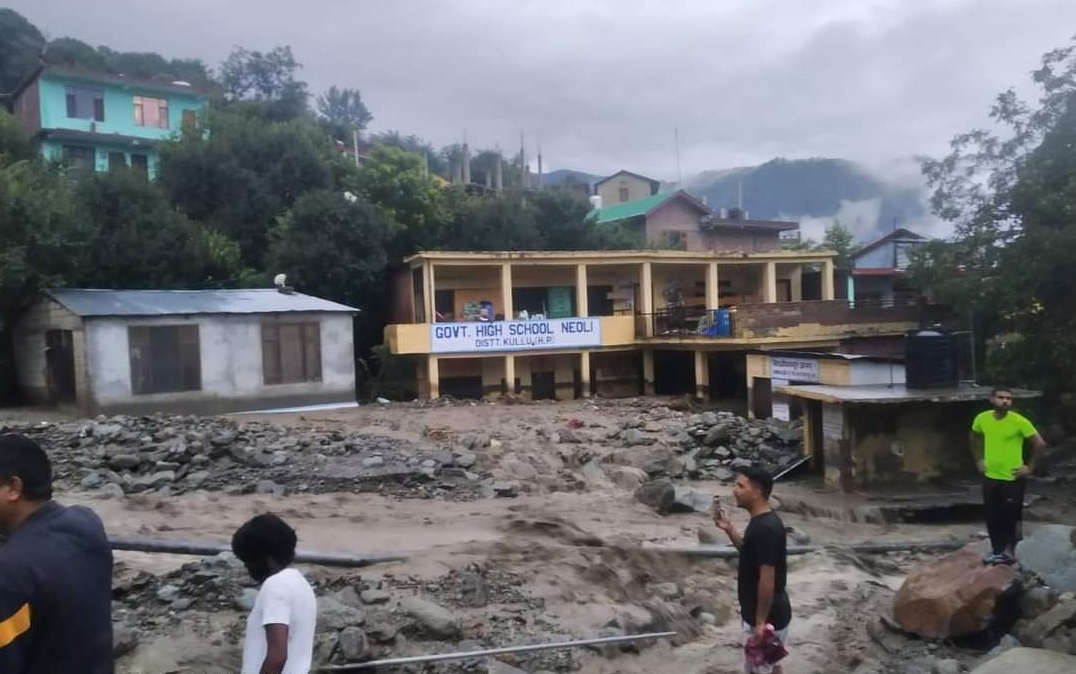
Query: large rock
{"points": [[335, 615], [1051, 552], [433, 620], [665, 498], [1053, 629], [1028, 661], [627, 477], [952, 596]]}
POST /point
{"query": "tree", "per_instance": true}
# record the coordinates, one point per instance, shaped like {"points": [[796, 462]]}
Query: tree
{"points": [[1012, 200], [266, 82], [244, 173], [332, 246], [840, 240], [396, 183], [344, 107], [20, 45], [132, 238]]}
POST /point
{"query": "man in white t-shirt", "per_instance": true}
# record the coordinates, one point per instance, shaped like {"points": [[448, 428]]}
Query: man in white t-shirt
{"points": [[280, 629]]}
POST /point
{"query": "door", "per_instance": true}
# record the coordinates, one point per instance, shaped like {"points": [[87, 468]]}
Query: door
{"points": [[116, 161], [60, 365], [140, 163], [761, 398], [543, 386]]}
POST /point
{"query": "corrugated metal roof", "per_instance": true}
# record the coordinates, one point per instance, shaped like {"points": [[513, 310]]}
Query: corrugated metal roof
{"points": [[85, 302], [630, 209]]}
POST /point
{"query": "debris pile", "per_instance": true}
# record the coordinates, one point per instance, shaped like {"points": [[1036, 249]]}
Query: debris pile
{"points": [[171, 455]]}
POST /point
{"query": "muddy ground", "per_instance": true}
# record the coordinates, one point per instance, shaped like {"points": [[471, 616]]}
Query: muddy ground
{"points": [[564, 554]]}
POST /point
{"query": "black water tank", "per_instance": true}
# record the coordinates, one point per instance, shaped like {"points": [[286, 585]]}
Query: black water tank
{"points": [[930, 359]]}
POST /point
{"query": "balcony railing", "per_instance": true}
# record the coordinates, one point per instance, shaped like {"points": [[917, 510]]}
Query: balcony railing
{"points": [[686, 322]]}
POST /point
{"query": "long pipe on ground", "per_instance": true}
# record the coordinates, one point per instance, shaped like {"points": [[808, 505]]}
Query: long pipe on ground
{"points": [[466, 655], [156, 545], [138, 544], [725, 551]]}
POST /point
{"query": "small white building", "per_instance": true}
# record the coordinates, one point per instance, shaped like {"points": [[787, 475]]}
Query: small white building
{"points": [[185, 351]]}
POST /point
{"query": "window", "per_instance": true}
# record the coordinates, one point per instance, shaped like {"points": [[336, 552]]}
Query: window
{"points": [[116, 161], [151, 112], [164, 359], [86, 103], [190, 121], [625, 194], [140, 163], [79, 157], [291, 353]]}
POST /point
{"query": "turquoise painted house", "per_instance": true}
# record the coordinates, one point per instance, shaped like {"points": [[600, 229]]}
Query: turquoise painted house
{"points": [[102, 121]]}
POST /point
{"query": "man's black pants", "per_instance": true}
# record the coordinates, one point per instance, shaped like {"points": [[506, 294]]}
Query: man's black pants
{"points": [[1004, 504]]}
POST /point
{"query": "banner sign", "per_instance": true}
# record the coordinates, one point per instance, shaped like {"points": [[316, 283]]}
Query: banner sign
{"points": [[555, 333], [794, 369]]}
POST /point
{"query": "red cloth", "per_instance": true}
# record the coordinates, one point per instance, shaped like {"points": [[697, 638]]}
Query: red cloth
{"points": [[765, 651]]}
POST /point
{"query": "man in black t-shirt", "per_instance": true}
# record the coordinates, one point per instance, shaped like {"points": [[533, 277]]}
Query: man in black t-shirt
{"points": [[763, 561]]}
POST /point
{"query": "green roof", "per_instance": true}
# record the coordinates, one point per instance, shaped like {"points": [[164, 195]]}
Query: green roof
{"points": [[629, 209]]}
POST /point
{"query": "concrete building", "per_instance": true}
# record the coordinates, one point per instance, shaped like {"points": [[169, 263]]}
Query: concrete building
{"points": [[103, 122], [767, 370], [885, 436], [625, 186], [679, 221], [879, 270], [198, 351], [573, 324]]}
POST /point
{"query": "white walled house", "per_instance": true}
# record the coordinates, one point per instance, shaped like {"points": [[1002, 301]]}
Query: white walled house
{"points": [[185, 351]]}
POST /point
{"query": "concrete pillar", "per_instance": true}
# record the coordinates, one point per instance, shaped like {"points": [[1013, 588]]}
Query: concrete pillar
{"points": [[584, 373], [827, 280], [510, 373], [582, 308], [646, 297], [851, 290], [648, 372], [506, 291], [713, 298], [769, 283], [702, 375], [428, 303], [433, 376]]}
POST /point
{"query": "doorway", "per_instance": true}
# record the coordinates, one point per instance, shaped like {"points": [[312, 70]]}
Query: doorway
{"points": [[761, 398], [60, 363], [543, 386]]}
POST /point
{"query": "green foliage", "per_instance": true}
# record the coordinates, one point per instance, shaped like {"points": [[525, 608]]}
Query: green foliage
{"points": [[396, 182], [331, 246], [36, 228], [132, 238], [243, 174], [344, 107], [1012, 200], [265, 83], [14, 143], [20, 44], [840, 240]]}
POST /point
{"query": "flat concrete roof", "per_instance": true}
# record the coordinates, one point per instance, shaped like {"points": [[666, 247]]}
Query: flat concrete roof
{"points": [[890, 394], [598, 256]]}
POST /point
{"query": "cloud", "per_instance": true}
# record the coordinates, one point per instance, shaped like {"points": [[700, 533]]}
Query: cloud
{"points": [[604, 83]]}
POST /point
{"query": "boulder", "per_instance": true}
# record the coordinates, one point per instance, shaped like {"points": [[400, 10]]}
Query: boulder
{"points": [[627, 477], [952, 596], [1057, 623], [687, 500], [1051, 553], [335, 615], [352, 643], [1028, 661], [433, 620], [658, 494]]}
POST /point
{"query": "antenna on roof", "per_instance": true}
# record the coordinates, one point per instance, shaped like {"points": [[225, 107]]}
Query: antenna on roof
{"points": [[676, 141]]}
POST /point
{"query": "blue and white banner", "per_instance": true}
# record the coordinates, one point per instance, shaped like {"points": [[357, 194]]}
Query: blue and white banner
{"points": [[554, 333]]}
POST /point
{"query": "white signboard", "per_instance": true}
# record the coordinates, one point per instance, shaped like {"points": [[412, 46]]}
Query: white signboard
{"points": [[554, 333], [794, 369]]}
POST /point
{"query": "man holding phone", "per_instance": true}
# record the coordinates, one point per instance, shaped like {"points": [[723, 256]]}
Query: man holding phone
{"points": [[763, 564]]}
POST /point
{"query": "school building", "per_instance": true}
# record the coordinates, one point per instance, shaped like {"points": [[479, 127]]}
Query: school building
{"points": [[562, 325]]}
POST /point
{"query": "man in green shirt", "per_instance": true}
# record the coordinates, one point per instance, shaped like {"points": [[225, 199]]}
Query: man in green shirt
{"points": [[997, 443]]}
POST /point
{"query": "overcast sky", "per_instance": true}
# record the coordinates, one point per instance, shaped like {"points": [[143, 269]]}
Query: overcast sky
{"points": [[604, 83]]}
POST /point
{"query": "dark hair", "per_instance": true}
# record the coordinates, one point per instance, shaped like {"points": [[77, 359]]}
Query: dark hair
{"points": [[998, 389], [265, 536], [21, 457], [760, 477]]}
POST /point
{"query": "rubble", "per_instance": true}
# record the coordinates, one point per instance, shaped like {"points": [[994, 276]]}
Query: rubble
{"points": [[1050, 552], [130, 455]]}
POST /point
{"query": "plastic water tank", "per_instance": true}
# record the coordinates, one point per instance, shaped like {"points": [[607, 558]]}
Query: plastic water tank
{"points": [[930, 359], [722, 322]]}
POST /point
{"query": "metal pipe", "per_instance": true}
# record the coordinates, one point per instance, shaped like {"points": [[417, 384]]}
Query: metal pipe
{"points": [[138, 544], [727, 552], [492, 651]]}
